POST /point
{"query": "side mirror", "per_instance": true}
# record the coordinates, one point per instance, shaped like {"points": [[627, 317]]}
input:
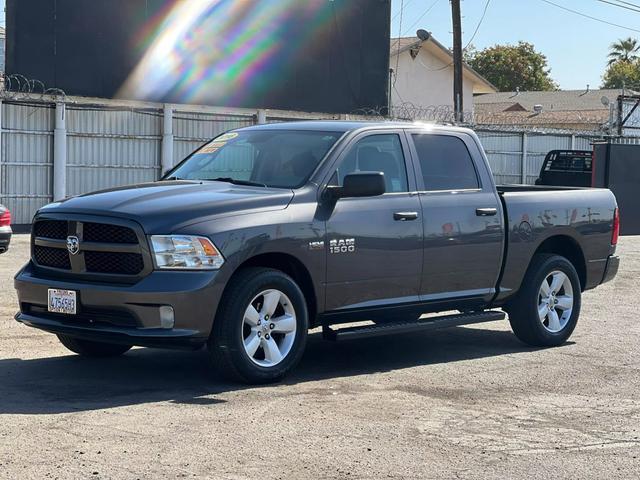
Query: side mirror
{"points": [[361, 184]]}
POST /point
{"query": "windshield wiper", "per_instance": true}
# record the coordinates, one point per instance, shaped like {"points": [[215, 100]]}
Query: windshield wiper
{"points": [[235, 181]]}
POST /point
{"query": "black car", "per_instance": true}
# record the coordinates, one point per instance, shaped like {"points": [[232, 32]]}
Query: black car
{"points": [[567, 168], [5, 228]]}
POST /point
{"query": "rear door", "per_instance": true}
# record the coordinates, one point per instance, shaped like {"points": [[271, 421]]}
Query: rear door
{"points": [[462, 217], [374, 245]]}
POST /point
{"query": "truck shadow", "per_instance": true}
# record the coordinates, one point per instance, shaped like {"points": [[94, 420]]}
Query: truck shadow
{"points": [[71, 384]]}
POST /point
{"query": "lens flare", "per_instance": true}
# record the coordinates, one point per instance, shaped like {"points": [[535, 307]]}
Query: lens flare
{"points": [[228, 52]]}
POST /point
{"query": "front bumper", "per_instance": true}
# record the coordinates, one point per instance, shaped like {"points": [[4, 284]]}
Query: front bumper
{"points": [[611, 270], [128, 314]]}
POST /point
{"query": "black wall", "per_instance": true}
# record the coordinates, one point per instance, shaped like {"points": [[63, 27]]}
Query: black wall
{"points": [[86, 47], [617, 167]]}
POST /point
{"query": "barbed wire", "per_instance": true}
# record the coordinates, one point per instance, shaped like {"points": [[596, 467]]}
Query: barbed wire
{"points": [[19, 87], [552, 121]]}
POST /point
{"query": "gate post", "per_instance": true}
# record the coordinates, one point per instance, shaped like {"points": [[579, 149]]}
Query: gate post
{"points": [[167, 140], [525, 154], [60, 153]]}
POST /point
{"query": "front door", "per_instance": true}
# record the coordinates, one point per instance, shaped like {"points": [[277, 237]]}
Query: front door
{"points": [[374, 245]]}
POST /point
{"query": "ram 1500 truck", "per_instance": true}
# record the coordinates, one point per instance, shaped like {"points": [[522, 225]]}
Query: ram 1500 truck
{"points": [[268, 231]]}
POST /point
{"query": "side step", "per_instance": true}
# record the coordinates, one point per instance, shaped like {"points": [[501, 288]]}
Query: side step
{"points": [[389, 328]]}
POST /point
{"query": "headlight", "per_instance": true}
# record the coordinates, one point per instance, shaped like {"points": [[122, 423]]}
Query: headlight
{"points": [[185, 252]]}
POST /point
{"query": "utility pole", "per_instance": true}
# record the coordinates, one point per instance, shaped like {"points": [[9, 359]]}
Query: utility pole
{"points": [[458, 100]]}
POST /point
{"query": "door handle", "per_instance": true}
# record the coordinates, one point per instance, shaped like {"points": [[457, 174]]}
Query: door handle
{"points": [[486, 212], [405, 216]]}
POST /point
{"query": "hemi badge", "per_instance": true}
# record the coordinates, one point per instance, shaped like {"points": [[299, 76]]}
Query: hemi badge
{"points": [[316, 245]]}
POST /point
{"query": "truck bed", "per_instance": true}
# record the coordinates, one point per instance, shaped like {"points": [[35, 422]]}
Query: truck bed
{"points": [[579, 217]]}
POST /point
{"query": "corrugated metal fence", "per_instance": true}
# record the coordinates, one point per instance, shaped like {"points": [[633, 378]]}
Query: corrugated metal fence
{"points": [[111, 143], [517, 157]]}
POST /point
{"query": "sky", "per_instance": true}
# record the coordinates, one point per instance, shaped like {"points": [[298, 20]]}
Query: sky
{"points": [[576, 47]]}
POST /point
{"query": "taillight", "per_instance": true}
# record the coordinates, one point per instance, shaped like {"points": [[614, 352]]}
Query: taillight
{"points": [[616, 227], [5, 219]]}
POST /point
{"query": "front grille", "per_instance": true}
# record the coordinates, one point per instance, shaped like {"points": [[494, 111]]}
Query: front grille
{"points": [[114, 263], [52, 257], [119, 251], [104, 232], [55, 229]]}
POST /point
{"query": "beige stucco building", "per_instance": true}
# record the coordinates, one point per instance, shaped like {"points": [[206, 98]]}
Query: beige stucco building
{"points": [[423, 75]]}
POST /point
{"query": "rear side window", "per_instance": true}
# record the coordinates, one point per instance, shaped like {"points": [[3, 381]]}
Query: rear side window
{"points": [[445, 162]]}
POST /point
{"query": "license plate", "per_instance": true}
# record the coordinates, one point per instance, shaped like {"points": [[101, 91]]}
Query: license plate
{"points": [[62, 301]]}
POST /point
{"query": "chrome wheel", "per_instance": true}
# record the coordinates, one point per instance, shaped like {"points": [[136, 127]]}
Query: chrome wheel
{"points": [[269, 328], [555, 301]]}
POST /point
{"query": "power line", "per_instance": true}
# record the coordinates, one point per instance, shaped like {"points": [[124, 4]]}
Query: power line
{"points": [[484, 13], [590, 17], [632, 9], [421, 17], [395, 73], [628, 3], [409, 2]]}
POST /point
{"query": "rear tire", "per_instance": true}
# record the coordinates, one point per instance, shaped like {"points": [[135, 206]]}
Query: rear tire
{"points": [[260, 331], [87, 348], [546, 310]]}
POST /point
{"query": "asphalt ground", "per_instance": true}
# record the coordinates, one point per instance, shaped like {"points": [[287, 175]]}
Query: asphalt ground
{"points": [[466, 402]]}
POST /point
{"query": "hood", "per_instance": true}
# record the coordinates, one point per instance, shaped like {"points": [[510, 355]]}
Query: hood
{"points": [[163, 207]]}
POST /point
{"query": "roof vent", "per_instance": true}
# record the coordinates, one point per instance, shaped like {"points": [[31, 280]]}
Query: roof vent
{"points": [[537, 109]]}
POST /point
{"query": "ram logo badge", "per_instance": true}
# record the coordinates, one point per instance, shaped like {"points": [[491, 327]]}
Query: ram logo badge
{"points": [[73, 245], [343, 245]]}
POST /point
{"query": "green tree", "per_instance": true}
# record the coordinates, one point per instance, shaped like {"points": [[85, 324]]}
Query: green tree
{"points": [[622, 73], [511, 67], [625, 50]]}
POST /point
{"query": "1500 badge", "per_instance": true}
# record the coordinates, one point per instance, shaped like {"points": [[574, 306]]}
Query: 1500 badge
{"points": [[343, 245]]}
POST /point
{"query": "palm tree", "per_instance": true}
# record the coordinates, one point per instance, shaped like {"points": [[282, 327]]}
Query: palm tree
{"points": [[625, 50]]}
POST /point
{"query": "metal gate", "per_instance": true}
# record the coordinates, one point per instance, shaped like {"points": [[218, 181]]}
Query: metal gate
{"points": [[26, 162]]}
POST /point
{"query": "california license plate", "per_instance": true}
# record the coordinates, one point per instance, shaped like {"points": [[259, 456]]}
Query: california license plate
{"points": [[62, 301]]}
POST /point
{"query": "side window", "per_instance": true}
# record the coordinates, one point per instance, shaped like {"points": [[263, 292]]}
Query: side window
{"points": [[377, 153], [445, 162]]}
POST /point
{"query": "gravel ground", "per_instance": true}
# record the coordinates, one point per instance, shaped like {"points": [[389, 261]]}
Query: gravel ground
{"points": [[456, 403]]}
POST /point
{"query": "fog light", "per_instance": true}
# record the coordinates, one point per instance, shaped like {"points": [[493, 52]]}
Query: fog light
{"points": [[166, 317]]}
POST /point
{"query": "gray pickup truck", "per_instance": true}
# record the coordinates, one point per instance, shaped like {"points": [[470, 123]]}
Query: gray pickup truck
{"points": [[269, 231]]}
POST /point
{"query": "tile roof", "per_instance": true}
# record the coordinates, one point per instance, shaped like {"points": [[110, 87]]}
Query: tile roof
{"points": [[561, 100]]}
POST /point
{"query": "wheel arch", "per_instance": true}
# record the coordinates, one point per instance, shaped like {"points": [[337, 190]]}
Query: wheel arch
{"points": [[291, 266], [569, 248]]}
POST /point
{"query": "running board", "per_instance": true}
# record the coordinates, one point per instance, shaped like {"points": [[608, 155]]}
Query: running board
{"points": [[390, 328]]}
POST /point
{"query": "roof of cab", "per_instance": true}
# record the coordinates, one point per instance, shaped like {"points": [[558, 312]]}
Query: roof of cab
{"points": [[342, 125], [316, 125]]}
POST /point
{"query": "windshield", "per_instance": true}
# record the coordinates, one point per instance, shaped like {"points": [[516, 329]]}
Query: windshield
{"points": [[270, 158]]}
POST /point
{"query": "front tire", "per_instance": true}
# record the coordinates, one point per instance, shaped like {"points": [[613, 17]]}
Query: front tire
{"points": [[546, 311], [87, 348], [260, 331]]}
